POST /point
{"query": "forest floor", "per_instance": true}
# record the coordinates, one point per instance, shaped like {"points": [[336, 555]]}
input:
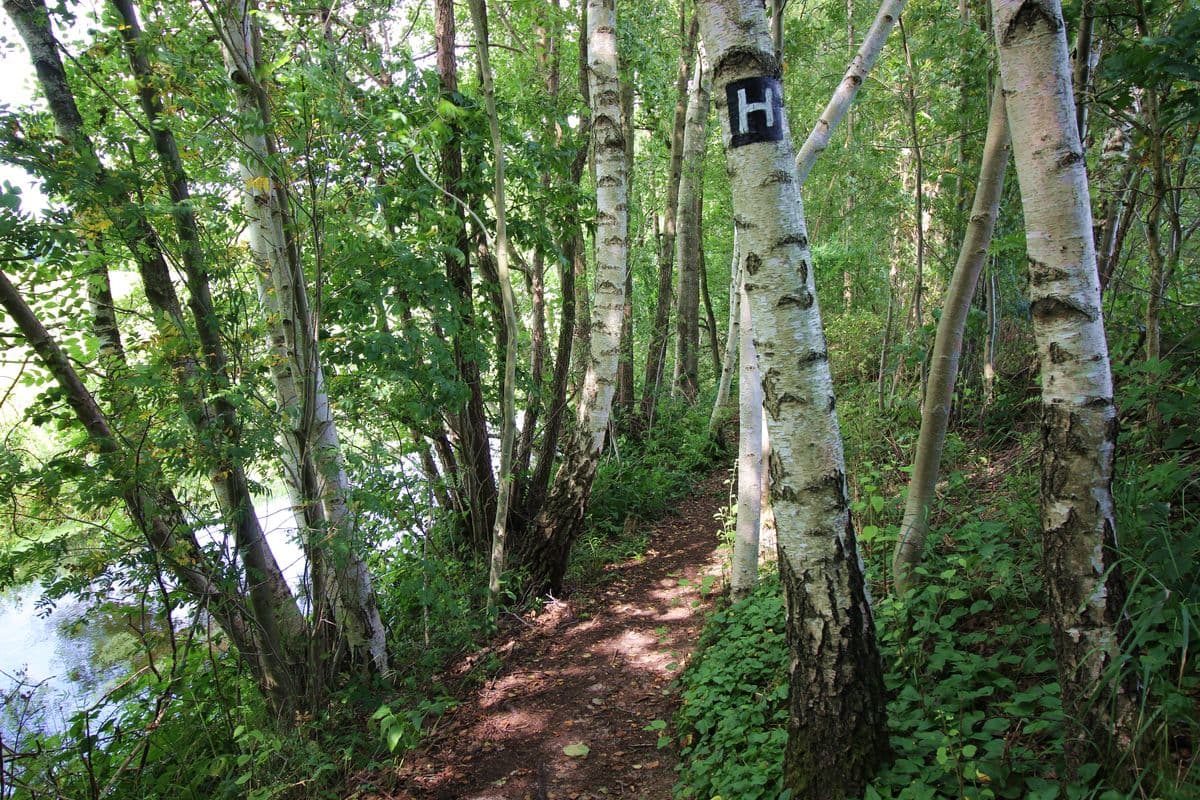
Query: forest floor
{"points": [[594, 669]]}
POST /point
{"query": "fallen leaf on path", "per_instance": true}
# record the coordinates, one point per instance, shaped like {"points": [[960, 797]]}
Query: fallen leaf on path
{"points": [[577, 750]]}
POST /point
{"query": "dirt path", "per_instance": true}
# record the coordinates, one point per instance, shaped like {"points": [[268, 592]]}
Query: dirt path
{"points": [[595, 669]]}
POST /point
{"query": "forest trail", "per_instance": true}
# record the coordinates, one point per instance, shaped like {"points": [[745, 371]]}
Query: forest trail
{"points": [[594, 669]]}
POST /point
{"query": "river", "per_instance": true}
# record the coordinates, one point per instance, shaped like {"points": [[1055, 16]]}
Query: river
{"points": [[59, 658]]}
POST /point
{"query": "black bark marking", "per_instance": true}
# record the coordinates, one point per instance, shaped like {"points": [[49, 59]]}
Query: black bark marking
{"points": [[831, 489], [1058, 355], [1028, 16], [773, 396], [1050, 309], [1069, 160], [802, 271], [1040, 273], [753, 263], [812, 357], [804, 300], [778, 176], [745, 60], [793, 238]]}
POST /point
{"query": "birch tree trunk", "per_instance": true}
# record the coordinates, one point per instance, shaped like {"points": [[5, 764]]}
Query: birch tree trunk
{"points": [[314, 466], [725, 379], [843, 96], [508, 413], [837, 722], [689, 241], [947, 347], [279, 627], [561, 519], [1079, 421], [744, 571]]}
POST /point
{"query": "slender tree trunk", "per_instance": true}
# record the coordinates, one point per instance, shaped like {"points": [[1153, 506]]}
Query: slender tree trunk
{"points": [[947, 346], [886, 346], [725, 380], [837, 732], [280, 626], [548, 64], [561, 519], [843, 96], [991, 338], [1079, 421], [539, 482], [1082, 71], [624, 398], [918, 198], [151, 505], [689, 242], [508, 413], [312, 448], [710, 316], [477, 477], [775, 21], [656, 352], [744, 571]]}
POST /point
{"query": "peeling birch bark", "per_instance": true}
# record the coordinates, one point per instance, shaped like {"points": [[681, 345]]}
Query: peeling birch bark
{"points": [[1079, 420], [312, 455], [560, 520], [837, 722]]}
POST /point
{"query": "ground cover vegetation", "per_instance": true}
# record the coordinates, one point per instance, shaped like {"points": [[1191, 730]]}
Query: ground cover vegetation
{"points": [[469, 296]]}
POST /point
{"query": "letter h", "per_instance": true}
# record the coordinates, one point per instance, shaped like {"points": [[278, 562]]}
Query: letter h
{"points": [[767, 106]]}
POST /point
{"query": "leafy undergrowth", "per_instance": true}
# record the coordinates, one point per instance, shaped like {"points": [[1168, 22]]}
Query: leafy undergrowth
{"points": [[192, 726], [975, 710]]}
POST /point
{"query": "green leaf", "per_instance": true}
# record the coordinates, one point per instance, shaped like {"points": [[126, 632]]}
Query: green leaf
{"points": [[577, 750]]}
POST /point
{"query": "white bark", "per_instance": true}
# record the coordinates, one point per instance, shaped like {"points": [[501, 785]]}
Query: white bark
{"points": [[1079, 420], [612, 227], [836, 727], [843, 96], [312, 453], [750, 460], [731, 341], [561, 518]]}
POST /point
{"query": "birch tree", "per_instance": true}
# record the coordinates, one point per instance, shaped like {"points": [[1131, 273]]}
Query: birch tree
{"points": [[744, 571], [837, 720], [1079, 421], [508, 389], [313, 463], [843, 96], [656, 354], [947, 347], [560, 520]]}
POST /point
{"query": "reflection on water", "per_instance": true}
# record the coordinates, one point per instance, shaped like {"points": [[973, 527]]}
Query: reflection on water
{"points": [[59, 659]]}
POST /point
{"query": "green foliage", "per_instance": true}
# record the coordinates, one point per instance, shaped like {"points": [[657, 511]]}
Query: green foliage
{"points": [[732, 726], [648, 475], [975, 709]]}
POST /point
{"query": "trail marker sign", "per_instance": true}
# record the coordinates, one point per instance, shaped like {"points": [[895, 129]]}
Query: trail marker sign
{"points": [[755, 111]]}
